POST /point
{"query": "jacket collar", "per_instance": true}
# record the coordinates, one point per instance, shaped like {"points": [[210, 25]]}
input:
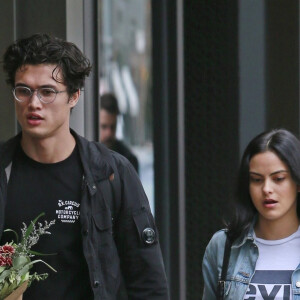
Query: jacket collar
{"points": [[95, 166], [249, 236]]}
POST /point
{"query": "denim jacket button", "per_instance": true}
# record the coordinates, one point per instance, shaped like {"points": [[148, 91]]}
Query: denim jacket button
{"points": [[298, 284]]}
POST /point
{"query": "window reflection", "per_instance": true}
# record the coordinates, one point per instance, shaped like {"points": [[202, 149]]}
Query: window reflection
{"points": [[125, 65]]}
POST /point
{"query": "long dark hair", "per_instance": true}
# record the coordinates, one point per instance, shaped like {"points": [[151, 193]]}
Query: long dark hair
{"points": [[287, 147]]}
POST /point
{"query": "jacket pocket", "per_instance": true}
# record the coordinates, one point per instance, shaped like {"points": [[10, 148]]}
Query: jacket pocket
{"points": [[106, 248], [103, 224], [103, 220]]}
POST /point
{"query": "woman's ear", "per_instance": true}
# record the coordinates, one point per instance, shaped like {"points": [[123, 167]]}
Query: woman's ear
{"points": [[298, 188], [74, 98]]}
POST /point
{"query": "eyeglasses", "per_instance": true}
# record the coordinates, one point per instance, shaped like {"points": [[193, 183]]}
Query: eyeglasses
{"points": [[45, 94]]}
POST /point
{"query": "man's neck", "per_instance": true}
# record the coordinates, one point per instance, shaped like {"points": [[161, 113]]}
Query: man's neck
{"points": [[48, 150]]}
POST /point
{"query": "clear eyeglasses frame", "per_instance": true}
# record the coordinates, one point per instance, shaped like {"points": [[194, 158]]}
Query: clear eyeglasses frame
{"points": [[45, 94]]}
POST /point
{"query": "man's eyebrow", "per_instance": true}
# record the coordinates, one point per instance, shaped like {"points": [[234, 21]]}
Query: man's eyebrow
{"points": [[21, 84], [42, 86]]}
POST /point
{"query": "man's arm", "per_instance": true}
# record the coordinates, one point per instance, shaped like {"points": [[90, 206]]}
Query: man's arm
{"points": [[137, 240]]}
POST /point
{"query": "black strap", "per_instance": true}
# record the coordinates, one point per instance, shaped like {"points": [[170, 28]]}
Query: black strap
{"points": [[221, 283]]}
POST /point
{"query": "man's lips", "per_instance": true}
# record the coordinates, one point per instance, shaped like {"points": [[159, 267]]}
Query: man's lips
{"points": [[34, 119], [34, 116]]}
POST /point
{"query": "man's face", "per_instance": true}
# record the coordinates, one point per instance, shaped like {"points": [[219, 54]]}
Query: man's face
{"points": [[43, 120], [108, 125]]}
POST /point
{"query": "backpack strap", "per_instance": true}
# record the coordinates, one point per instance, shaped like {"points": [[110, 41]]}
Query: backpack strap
{"points": [[221, 282]]}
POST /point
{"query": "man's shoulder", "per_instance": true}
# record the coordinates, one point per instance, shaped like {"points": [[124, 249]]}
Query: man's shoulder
{"points": [[124, 150], [7, 149], [98, 154]]}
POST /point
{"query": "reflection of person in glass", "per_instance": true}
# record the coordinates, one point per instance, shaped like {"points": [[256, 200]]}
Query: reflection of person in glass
{"points": [[101, 234], [109, 112], [264, 234]]}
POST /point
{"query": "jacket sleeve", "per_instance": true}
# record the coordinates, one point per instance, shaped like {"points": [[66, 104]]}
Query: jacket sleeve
{"points": [[137, 240], [211, 265]]}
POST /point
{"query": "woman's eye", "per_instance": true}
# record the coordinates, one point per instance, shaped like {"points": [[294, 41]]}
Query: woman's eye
{"points": [[255, 179], [278, 179]]}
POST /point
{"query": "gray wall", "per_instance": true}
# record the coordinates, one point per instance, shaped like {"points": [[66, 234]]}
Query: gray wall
{"points": [[7, 33]]}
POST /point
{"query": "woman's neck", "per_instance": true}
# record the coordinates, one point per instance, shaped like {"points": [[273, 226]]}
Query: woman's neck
{"points": [[276, 230]]}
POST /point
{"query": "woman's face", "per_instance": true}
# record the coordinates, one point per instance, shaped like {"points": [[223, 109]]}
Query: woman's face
{"points": [[272, 189]]}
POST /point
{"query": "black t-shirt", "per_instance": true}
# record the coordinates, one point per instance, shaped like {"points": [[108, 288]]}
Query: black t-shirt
{"points": [[56, 190]]}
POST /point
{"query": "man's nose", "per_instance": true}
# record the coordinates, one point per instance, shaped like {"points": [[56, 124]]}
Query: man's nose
{"points": [[34, 99]]}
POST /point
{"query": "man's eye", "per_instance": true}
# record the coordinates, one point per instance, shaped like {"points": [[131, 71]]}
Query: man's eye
{"points": [[47, 92], [23, 91]]}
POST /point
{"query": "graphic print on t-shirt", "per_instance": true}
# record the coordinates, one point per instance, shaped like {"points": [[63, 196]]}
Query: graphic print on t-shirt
{"points": [[275, 265], [270, 285], [68, 211]]}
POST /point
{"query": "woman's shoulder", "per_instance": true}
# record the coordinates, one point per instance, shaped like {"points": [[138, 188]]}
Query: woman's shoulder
{"points": [[219, 236], [215, 249], [217, 241]]}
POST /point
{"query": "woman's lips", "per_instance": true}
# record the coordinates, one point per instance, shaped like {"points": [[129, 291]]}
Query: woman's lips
{"points": [[269, 203]]}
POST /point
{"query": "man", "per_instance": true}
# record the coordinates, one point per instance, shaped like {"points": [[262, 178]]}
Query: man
{"points": [[109, 112], [49, 168]]}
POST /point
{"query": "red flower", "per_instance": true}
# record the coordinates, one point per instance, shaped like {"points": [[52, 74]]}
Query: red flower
{"points": [[8, 261], [5, 261], [7, 249], [2, 261]]}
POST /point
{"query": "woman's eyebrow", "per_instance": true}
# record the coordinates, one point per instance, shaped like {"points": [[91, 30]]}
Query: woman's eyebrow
{"points": [[273, 173], [254, 173], [279, 171]]}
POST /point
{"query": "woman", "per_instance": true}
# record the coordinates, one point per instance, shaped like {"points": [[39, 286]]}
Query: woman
{"points": [[264, 234]]}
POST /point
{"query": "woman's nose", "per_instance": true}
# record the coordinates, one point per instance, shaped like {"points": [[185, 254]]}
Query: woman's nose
{"points": [[267, 187]]}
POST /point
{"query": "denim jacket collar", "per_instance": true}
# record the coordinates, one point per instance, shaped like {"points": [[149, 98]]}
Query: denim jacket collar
{"points": [[248, 236]]}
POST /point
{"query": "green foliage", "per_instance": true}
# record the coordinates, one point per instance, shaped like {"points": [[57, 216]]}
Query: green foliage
{"points": [[16, 258]]}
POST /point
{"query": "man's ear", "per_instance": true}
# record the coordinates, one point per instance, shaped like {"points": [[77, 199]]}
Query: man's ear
{"points": [[74, 98]]}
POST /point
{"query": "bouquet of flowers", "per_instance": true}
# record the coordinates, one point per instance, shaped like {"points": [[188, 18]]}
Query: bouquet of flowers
{"points": [[16, 260]]}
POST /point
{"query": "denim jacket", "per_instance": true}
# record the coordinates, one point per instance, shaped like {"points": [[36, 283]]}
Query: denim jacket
{"points": [[243, 257]]}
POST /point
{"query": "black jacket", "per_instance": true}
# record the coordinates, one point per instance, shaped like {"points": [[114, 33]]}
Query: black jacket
{"points": [[121, 148], [114, 239]]}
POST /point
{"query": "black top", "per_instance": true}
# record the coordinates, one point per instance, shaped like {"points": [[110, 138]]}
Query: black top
{"points": [[141, 262], [121, 148], [56, 190]]}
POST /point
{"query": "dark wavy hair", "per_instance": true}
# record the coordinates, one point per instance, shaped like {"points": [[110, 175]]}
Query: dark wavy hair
{"points": [[287, 147], [46, 49]]}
